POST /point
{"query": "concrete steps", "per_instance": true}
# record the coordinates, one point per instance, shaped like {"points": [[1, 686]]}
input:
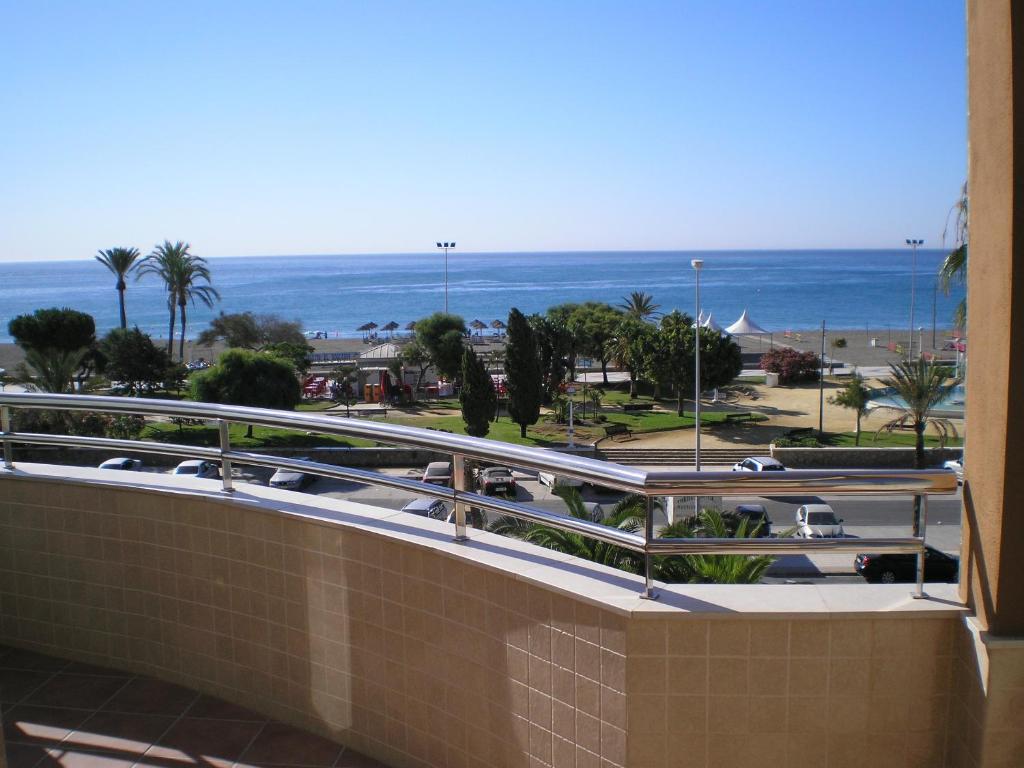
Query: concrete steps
{"points": [[678, 456]]}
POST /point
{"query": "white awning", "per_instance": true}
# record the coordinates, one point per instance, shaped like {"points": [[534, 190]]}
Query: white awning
{"points": [[746, 327]]}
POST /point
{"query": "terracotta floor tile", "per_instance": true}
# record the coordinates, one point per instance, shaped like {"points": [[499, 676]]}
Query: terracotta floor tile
{"points": [[203, 740], [16, 684], [15, 658], [218, 709], [281, 744], [352, 759], [78, 691], [146, 696], [43, 725], [24, 755], [128, 735]]}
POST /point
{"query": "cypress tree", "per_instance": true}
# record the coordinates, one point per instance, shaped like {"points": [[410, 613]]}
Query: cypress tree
{"points": [[522, 367], [477, 396]]}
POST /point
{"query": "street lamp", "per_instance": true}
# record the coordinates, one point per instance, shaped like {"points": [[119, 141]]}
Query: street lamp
{"points": [[697, 264], [571, 392], [913, 279], [446, 246]]}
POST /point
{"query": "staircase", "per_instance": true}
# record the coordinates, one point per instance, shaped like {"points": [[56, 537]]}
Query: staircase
{"points": [[681, 457]]}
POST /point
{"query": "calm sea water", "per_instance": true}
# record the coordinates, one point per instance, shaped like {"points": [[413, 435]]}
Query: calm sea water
{"points": [[781, 289]]}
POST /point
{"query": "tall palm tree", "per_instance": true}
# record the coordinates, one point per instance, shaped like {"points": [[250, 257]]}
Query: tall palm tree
{"points": [[953, 270], [639, 305], [922, 385], [181, 272], [122, 262]]}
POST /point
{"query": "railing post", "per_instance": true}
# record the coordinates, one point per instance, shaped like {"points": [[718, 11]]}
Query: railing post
{"points": [[5, 427], [225, 462], [919, 588], [649, 593], [459, 476]]}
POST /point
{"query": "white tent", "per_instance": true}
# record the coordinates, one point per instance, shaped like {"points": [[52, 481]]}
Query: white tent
{"points": [[746, 327], [710, 323]]}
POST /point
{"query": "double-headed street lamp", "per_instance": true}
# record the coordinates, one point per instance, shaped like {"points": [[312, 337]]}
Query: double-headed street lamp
{"points": [[913, 280], [697, 264], [446, 246]]}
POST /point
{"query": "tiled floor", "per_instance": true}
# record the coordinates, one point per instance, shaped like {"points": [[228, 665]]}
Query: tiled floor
{"points": [[61, 713]]}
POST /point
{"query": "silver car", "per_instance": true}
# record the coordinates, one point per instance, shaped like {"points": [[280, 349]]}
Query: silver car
{"points": [[424, 507], [818, 521], [125, 465], [290, 479]]}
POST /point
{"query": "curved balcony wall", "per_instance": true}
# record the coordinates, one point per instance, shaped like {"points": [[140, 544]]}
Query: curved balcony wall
{"points": [[376, 629]]}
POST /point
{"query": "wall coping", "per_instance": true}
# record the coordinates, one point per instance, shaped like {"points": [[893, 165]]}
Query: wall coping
{"points": [[598, 585]]}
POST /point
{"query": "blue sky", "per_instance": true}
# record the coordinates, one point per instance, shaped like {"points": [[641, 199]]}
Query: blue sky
{"points": [[344, 127]]}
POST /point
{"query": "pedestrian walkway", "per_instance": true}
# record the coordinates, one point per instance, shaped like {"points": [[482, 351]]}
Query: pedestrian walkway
{"points": [[57, 712]]}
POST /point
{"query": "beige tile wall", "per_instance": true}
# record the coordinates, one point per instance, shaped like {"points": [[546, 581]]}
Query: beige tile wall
{"points": [[423, 658]]}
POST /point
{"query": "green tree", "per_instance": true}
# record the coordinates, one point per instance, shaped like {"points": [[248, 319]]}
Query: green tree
{"points": [[133, 358], [632, 347], [121, 262], [441, 335], [243, 377], [671, 362], [594, 325], [714, 569], [720, 359], [50, 369], [639, 306], [296, 354], [953, 270], [922, 385], [59, 338], [522, 371], [244, 329], [552, 349], [182, 274], [854, 396], [476, 396], [344, 388], [415, 355], [565, 340]]}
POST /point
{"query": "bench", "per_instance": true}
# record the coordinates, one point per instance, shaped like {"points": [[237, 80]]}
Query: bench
{"points": [[637, 406], [368, 412], [731, 418], [611, 430]]}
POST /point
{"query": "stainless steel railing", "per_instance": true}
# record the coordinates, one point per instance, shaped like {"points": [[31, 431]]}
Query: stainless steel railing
{"points": [[651, 484]]}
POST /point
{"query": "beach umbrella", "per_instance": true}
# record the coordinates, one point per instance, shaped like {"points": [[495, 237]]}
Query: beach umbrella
{"points": [[478, 325], [498, 325], [390, 327], [410, 326], [366, 328]]}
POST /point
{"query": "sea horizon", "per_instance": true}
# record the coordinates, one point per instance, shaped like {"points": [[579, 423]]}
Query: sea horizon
{"points": [[782, 289]]}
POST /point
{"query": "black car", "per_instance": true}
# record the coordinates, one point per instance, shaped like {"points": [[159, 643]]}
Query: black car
{"points": [[889, 569]]}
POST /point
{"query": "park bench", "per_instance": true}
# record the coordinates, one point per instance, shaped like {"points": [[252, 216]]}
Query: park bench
{"points": [[368, 412], [637, 406], [611, 430], [732, 418]]}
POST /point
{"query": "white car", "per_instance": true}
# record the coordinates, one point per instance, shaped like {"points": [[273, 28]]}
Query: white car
{"points": [[125, 465], [957, 465], [758, 464], [290, 479], [818, 521], [425, 507], [550, 479], [438, 473], [197, 468]]}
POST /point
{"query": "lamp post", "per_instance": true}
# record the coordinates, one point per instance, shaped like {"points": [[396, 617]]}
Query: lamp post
{"points": [[446, 246], [697, 264], [913, 279], [571, 391]]}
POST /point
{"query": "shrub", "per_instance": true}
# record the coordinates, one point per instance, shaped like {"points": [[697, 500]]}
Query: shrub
{"points": [[791, 365]]}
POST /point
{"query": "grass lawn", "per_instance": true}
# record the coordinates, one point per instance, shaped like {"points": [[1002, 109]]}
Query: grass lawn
{"points": [[887, 440], [263, 437]]}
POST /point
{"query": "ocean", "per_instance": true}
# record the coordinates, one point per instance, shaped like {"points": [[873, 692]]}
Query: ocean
{"points": [[782, 290]]}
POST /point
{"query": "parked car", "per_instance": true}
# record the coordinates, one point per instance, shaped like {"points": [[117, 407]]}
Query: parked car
{"points": [[125, 465], [818, 521], [438, 473], [758, 464], [494, 480], [759, 524], [889, 569], [291, 479], [551, 479], [957, 465], [197, 468], [424, 507]]}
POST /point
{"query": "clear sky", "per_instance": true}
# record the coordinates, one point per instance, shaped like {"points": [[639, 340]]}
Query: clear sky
{"points": [[360, 127]]}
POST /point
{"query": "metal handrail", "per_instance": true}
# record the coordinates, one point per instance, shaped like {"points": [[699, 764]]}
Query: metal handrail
{"points": [[649, 483]]}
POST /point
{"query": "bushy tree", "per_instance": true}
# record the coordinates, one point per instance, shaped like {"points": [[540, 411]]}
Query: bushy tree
{"points": [[854, 396], [243, 377], [566, 341], [441, 335], [671, 362], [522, 371], [131, 357], [632, 347], [792, 365], [477, 396], [414, 355], [594, 324], [720, 359], [552, 350], [295, 353], [65, 329], [244, 329]]}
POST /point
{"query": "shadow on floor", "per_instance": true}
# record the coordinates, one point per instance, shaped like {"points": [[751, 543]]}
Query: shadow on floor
{"points": [[61, 713]]}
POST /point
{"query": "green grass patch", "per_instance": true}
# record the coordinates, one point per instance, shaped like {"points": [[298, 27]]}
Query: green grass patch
{"points": [[262, 437], [887, 440]]}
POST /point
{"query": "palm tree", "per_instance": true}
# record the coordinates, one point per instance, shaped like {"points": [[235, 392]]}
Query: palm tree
{"points": [[120, 261], [922, 385], [639, 305], [51, 370], [854, 396], [953, 270], [181, 273]]}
